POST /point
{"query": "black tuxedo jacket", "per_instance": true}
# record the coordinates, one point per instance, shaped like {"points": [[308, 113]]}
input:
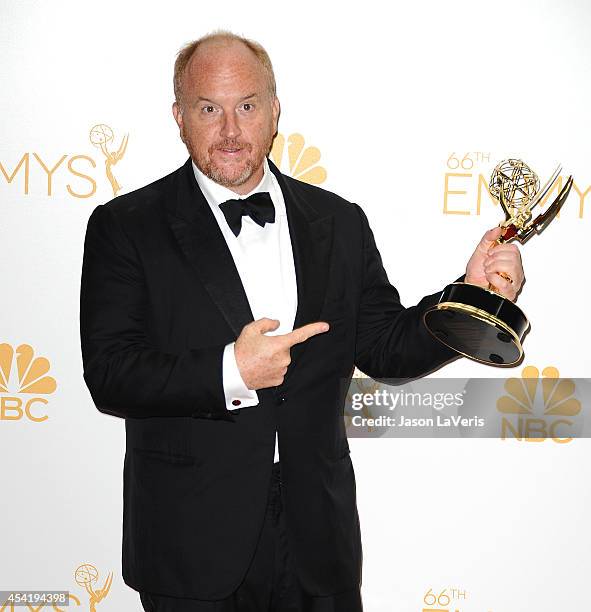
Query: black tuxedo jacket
{"points": [[160, 298]]}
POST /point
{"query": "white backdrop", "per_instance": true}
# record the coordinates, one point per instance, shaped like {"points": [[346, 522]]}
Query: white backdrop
{"points": [[386, 92]]}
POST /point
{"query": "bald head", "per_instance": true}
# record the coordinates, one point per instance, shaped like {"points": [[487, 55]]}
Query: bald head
{"points": [[209, 52]]}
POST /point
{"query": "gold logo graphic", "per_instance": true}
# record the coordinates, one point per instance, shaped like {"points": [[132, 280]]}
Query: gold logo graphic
{"points": [[302, 160], [360, 383], [101, 136], [36, 171], [451, 599], [557, 398], [31, 373], [557, 393], [85, 575]]}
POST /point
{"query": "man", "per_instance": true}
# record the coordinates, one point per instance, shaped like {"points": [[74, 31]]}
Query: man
{"points": [[222, 329]]}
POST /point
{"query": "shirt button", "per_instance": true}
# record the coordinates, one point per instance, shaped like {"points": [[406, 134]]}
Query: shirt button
{"points": [[236, 402], [280, 400]]}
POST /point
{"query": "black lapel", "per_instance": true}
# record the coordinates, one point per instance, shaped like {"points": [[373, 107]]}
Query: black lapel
{"points": [[311, 239], [204, 245]]}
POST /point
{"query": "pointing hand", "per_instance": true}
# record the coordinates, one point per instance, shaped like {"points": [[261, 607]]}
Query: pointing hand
{"points": [[263, 360]]}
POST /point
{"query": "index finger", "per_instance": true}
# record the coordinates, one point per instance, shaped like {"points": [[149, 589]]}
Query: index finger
{"points": [[301, 334]]}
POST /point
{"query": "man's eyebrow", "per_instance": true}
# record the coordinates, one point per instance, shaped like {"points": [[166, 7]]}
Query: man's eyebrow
{"points": [[202, 99]]}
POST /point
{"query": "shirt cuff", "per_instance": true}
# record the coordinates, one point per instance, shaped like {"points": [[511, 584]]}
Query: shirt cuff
{"points": [[237, 394]]}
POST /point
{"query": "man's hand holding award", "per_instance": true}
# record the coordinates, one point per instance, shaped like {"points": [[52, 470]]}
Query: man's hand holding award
{"points": [[478, 321]]}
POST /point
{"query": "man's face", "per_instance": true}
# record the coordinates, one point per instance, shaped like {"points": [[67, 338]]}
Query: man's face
{"points": [[227, 116]]}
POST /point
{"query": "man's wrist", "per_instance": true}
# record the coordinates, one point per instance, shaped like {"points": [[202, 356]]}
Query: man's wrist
{"points": [[237, 394]]}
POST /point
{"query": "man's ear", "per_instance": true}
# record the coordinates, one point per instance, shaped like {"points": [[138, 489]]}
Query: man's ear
{"points": [[177, 114], [276, 112]]}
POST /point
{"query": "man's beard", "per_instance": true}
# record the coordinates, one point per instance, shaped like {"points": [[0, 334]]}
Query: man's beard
{"points": [[217, 173]]}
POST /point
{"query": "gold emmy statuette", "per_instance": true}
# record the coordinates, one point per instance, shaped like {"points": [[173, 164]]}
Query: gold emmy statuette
{"points": [[480, 323], [102, 136], [85, 575]]}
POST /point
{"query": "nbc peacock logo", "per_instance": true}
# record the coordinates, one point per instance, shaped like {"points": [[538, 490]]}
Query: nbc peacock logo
{"points": [[302, 161], [360, 385], [539, 407], [24, 377]]}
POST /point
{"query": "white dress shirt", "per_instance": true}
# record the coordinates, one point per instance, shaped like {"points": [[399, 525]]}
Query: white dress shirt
{"points": [[264, 260]]}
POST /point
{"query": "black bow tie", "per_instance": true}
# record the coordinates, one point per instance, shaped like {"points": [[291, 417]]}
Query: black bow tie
{"points": [[258, 206]]}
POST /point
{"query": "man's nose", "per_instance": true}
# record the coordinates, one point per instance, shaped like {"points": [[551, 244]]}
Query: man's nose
{"points": [[230, 126]]}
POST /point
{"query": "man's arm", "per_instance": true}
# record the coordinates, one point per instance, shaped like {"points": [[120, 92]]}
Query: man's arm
{"points": [[126, 376], [392, 341]]}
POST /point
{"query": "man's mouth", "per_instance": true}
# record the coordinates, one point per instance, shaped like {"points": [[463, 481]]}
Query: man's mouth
{"points": [[231, 150]]}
